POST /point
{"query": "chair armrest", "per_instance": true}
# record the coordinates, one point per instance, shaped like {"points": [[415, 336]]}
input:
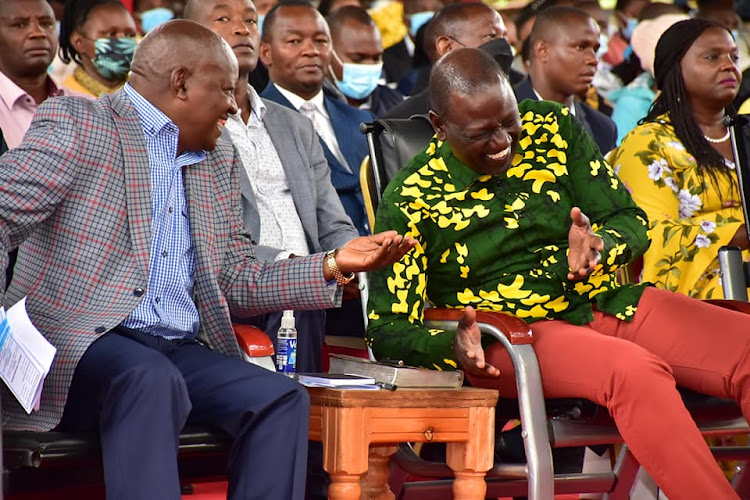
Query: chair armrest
{"points": [[734, 305], [515, 329], [253, 341]]}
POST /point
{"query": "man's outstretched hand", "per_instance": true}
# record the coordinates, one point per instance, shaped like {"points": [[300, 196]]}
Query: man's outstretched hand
{"points": [[372, 252], [584, 246], [467, 347]]}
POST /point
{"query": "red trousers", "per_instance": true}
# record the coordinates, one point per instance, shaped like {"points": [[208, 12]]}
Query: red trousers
{"points": [[631, 369]]}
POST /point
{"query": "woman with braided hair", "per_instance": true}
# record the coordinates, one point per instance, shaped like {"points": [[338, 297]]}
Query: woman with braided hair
{"points": [[678, 162]]}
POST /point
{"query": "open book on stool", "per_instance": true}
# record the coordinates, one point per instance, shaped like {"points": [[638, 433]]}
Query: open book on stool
{"points": [[394, 375]]}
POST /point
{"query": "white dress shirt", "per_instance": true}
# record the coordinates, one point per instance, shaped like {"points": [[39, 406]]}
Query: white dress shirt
{"points": [[319, 117], [280, 225]]}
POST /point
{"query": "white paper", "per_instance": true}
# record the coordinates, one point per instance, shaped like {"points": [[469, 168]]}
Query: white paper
{"points": [[25, 356]]}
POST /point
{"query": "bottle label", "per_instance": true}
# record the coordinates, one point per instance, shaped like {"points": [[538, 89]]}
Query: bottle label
{"points": [[286, 355]]}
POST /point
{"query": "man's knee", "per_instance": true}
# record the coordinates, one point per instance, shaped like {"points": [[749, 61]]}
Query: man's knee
{"points": [[153, 381]]}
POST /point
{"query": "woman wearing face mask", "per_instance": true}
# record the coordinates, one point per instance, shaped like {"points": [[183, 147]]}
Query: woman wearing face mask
{"points": [[100, 36]]}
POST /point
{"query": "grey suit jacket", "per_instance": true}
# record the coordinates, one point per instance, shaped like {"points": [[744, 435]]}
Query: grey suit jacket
{"points": [[319, 208], [77, 193]]}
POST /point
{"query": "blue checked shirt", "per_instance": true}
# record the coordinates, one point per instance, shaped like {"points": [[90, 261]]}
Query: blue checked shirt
{"points": [[167, 308]]}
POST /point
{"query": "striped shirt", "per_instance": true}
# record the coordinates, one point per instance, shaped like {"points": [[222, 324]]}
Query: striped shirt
{"points": [[167, 308]]}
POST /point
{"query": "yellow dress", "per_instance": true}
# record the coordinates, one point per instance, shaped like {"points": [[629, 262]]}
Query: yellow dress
{"points": [[691, 216]]}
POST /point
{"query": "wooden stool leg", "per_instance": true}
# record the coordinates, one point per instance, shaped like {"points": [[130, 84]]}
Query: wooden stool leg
{"points": [[375, 480], [344, 487], [470, 460]]}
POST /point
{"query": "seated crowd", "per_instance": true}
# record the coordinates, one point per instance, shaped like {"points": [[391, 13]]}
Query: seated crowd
{"points": [[141, 221]]}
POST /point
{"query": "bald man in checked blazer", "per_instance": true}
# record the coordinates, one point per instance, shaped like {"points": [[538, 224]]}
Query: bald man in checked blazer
{"points": [[134, 254]]}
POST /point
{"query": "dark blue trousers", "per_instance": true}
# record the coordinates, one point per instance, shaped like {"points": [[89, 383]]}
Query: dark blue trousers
{"points": [[139, 390]]}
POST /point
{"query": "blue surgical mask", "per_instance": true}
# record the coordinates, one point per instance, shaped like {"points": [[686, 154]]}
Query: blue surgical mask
{"points": [[419, 19], [261, 18], [358, 80], [627, 31], [152, 18]]}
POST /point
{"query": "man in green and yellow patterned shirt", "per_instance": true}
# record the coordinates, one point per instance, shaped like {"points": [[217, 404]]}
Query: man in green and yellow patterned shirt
{"points": [[514, 209]]}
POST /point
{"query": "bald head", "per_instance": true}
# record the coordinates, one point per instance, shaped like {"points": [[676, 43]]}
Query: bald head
{"points": [[474, 110], [176, 44], [462, 72], [462, 25], [189, 73]]}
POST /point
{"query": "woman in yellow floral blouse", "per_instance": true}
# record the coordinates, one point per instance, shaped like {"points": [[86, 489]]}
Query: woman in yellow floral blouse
{"points": [[678, 162]]}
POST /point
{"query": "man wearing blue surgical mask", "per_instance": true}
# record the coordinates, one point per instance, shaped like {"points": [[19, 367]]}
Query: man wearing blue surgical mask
{"points": [[356, 64]]}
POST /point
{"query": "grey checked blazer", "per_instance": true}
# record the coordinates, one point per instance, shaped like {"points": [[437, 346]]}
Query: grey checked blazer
{"points": [[319, 208], [77, 193]]}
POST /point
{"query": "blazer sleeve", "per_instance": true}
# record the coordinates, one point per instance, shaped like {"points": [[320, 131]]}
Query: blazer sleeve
{"points": [[38, 175]]}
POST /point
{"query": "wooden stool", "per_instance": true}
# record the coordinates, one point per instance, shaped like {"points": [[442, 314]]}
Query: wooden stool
{"points": [[360, 429]]}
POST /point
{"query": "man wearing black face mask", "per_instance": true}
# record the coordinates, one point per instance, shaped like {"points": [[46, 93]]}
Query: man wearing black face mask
{"points": [[472, 25]]}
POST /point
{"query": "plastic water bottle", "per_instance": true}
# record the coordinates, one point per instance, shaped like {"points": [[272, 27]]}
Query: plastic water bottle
{"points": [[286, 345]]}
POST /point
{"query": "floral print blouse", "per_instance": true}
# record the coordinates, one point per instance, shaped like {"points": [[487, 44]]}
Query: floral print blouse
{"points": [[500, 242], [691, 216]]}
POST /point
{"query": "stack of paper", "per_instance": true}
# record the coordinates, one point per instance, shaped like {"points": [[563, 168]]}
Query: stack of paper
{"points": [[25, 356], [336, 380]]}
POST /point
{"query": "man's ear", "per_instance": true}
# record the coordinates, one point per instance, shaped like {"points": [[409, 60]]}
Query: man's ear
{"points": [[178, 82], [265, 54], [443, 45], [437, 124], [540, 51]]}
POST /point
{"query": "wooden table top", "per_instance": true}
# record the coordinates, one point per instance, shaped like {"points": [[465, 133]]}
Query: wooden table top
{"points": [[462, 397]]}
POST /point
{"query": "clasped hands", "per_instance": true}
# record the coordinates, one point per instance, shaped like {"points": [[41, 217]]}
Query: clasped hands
{"points": [[584, 255]]}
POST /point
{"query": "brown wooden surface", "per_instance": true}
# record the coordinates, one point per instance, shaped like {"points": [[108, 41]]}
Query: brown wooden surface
{"points": [[360, 430]]}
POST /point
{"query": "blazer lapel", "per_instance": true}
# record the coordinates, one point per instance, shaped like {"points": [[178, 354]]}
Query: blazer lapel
{"points": [[199, 186], [137, 176], [294, 168]]}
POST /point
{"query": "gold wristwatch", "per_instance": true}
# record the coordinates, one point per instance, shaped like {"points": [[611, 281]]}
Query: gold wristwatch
{"points": [[334, 268]]}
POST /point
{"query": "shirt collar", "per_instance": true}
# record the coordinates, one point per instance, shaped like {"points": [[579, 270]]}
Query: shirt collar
{"points": [[10, 93], [462, 175], [571, 108], [297, 101], [257, 105]]}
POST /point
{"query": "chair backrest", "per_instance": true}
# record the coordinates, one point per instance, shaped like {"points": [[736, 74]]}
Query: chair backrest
{"points": [[735, 274], [391, 143], [740, 136]]}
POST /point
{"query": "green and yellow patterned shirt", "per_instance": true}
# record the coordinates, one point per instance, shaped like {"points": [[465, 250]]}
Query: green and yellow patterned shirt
{"points": [[500, 242]]}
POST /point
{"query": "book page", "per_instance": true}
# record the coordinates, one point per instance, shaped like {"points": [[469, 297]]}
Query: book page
{"points": [[25, 356]]}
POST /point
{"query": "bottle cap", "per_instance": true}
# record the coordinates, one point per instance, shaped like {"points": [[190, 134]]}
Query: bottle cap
{"points": [[287, 319]]}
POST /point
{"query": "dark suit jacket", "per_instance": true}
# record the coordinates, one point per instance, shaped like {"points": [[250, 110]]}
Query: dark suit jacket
{"points": [[345, 120], [397, 61], [418, 104], [600, 126], [3, 146]]}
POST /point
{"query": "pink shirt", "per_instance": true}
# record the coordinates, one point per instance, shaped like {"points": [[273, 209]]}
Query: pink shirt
{"points": [[17, 108]]}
